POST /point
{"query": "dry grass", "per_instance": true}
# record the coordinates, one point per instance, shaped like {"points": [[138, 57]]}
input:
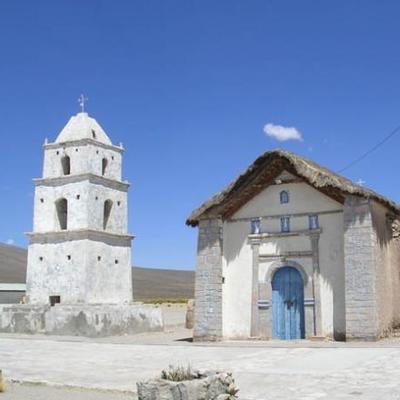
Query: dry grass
{"points": [[177, 374], [165, 301]]}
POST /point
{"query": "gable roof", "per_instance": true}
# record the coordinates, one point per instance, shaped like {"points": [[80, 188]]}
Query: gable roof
{"points": [[262, 173]]}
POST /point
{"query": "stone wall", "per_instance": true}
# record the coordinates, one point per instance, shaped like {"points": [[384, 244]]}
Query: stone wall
{"points": [[372, 266], [208, 288], [81, 320], [387, 270], [360, 274]]}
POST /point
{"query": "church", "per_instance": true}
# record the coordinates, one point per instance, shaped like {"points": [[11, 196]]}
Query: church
{"points": [[291, 250]]}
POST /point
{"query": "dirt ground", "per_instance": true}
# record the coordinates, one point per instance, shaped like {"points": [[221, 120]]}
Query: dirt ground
{"points": [[19, 391]]}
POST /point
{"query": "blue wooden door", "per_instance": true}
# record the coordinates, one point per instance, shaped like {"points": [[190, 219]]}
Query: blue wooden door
{"points": [[287, 304]]}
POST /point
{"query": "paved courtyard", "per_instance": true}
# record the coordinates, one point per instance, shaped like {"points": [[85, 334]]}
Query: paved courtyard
{"points": [[272, 370]]}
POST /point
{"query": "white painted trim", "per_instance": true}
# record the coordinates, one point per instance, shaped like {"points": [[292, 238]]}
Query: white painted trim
{"points": [[277, 216], [12, 287]]}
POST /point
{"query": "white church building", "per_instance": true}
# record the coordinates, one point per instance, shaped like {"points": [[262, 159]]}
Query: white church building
{"points": [[291, 250]]}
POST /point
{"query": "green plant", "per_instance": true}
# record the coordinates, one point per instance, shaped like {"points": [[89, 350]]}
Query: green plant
{"points": [[177, 374]]}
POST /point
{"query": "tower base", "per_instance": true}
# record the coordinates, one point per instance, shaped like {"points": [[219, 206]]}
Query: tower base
{"points": [[81, 320]]}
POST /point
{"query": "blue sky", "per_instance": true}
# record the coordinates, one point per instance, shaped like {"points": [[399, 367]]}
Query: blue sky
{"points": [[188, 87]]}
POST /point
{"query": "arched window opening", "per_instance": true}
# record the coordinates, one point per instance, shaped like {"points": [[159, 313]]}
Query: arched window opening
{"points": [[107, 211], [104, 164], [62, 213], [284, 197], [66, 165]]}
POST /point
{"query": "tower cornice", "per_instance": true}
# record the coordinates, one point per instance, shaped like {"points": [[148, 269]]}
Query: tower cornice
{"points": [[114, 239], [92, 178], [83, 142]]}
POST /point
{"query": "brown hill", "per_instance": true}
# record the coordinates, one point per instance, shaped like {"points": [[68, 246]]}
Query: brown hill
{"points": [[148, 283]]}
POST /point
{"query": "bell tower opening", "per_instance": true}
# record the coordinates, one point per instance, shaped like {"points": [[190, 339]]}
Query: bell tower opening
{"points": [[104, 164], [107, 212], [62, 213], [66, 165]]}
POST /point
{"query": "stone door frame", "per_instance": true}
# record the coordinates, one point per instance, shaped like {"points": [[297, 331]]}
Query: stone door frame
{"points": [[261, 304]]}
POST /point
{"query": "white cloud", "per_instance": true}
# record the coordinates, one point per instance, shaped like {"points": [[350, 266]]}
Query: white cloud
{"points": [[10, 241], [282, 133]]}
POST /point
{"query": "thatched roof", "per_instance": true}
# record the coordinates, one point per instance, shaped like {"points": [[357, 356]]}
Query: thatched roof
{"points": [[265, 170]]}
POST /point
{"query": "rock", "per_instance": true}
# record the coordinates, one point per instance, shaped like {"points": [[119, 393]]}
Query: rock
{"points": [[224, 396], [209, 385]]}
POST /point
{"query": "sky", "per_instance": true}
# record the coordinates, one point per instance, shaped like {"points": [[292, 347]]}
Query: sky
{"points": [[196, 90]]}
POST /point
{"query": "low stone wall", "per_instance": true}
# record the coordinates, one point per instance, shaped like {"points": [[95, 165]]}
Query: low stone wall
{"points": [[81, 320]]}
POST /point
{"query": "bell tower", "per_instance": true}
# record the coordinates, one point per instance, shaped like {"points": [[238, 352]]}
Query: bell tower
{"points": [[80, 250]]}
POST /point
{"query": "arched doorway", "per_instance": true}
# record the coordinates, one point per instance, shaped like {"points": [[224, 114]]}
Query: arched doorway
{"points": [[287, 304]]}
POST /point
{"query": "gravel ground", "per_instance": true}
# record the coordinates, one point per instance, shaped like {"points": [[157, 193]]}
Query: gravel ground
{"points": [[18, 391]]}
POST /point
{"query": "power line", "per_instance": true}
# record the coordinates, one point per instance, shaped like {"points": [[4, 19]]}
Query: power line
{"points": [[367, 153]]}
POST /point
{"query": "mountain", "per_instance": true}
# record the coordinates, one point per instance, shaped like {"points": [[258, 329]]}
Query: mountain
{"points": [[148, 283]]}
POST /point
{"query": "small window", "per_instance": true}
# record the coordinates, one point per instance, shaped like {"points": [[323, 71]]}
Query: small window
{"points": [[78, 196], [93, 134], [76, 150], [54, 300], [284, 197], [119, 203], [98, 258], [285, 224], [116, 261], [255, 226], [40, 258], [313, 222], [68, 257], [42, 200]]}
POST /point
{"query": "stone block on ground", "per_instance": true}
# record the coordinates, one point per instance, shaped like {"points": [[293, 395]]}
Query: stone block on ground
{"points": [[208, 386]]}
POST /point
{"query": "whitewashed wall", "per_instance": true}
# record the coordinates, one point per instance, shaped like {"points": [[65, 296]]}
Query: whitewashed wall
{"points": [[83, 159], [85, 207], [80, 271], [237, 253]]}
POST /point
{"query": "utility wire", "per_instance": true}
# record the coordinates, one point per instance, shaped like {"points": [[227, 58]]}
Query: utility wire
{"points": [[367, 153]]}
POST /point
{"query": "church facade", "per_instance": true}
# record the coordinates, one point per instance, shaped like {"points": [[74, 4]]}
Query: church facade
{"points": [[291, 250]]}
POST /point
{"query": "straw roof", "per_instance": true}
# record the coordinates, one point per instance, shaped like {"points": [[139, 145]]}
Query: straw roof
{"points": [[263, 173]]}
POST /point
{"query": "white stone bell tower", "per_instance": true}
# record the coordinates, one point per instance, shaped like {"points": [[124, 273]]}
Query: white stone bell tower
{"points": [[79, 250]]}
